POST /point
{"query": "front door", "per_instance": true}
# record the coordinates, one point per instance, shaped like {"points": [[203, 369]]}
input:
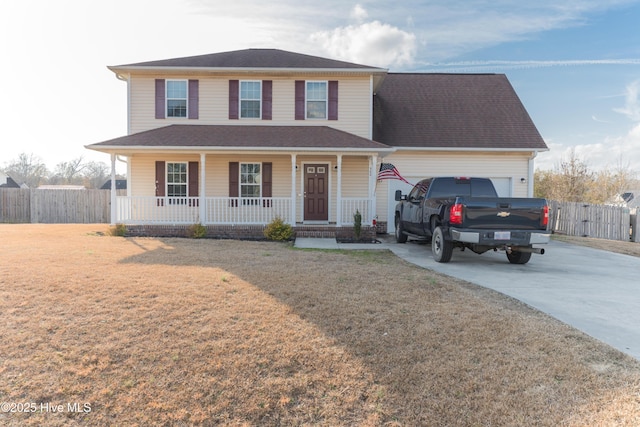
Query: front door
{"points": [[316, 195]]}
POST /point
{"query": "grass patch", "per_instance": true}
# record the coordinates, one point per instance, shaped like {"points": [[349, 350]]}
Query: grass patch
{"points": [[184, 332]]}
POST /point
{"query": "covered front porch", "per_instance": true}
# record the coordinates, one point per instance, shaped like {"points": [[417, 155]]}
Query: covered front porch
{"points": [[312, 189]]}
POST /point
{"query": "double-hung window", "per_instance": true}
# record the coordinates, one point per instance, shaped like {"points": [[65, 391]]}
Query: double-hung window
{"points": [[250, 182], [176, 98], [177, 181], [250, 99], [316, 97]]}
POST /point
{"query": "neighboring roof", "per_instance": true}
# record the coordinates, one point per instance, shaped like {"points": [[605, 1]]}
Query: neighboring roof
{"points": [[243, 137], [452, 111], [121, 184], [251, 58], [7, 182]]}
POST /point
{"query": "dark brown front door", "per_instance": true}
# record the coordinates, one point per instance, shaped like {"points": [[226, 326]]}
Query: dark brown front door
{"points": [[316, 196]]}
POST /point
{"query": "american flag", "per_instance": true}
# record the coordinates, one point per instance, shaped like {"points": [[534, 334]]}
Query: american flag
{"points": [[388, 171]]}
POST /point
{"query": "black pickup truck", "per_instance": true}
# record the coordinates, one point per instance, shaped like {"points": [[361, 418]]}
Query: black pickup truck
{"points": [[467, 213]]}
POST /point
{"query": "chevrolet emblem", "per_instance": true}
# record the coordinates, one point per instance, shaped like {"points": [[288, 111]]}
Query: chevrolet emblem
{"points": [[503, 214]]}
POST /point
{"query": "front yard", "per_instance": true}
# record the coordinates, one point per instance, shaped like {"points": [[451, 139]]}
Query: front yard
{"points": [[99, 330]]}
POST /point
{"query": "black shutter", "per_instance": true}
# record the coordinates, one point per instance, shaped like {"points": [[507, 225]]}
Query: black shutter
{"points": [[160, 99], [234, 99], [160, 181], [234, 184], [267, 187], [267, 100], [300, 97], [193, 99]]}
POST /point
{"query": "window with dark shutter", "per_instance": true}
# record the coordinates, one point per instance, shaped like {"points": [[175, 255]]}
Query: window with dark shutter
{"points": [[234, 100]]}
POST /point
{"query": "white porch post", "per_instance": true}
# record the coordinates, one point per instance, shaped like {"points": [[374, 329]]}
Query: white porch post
{"points": [[203, 199], [373, 176], [114, 209], [339, 193], [293, 190]]}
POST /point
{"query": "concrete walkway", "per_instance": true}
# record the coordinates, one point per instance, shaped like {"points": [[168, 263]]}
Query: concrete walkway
{"points": [[595, 291]]}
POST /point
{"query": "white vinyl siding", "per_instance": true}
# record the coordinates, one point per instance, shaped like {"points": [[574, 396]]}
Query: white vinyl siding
{"points": [[354, 103]]}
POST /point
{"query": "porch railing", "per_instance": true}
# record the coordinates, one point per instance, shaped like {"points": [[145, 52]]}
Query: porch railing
{"points": [[186, 210], [351, 205]]}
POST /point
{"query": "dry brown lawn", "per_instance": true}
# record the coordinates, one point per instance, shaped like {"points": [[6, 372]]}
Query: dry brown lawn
{"points": [[142, 331]]}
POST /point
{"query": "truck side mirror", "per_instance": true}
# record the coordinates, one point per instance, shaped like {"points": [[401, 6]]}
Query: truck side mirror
{"points": [[400, 196]]}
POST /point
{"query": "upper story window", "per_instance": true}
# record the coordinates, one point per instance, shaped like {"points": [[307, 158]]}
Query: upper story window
{"points": [[176, 98], [316, 97], [250, 99]]}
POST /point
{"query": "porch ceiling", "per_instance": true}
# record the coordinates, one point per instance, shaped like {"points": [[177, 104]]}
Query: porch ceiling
{"points": [[242, 138]]}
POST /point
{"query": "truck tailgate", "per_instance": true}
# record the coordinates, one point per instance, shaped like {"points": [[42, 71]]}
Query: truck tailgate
{"points": [[502, 213]]}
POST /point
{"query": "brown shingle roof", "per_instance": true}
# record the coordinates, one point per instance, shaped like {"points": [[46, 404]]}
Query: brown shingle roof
{"points": [[479, 111], [253, 58], [244, 137]]}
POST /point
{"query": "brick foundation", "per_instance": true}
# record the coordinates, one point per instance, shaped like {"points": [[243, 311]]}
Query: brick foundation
{"points": [[250, 232]]}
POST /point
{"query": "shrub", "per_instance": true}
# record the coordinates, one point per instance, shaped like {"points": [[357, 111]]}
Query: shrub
{"points": [[118, 230], [357, 224], [278, 230], [197, 231]]}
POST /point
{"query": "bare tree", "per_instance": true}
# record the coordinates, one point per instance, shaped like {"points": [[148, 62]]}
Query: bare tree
{"points": [[572, 181], [68, 172], [28, 169], [95, 174]]}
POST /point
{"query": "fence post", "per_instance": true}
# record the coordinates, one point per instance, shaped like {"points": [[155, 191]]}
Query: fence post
{"points": [[635, 236]]}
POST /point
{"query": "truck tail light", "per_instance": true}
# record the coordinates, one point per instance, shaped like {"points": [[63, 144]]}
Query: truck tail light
{"points": [[544, 220], [455, 214]]}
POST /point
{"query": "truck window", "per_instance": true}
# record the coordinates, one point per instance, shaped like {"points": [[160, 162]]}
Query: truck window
{"points": [[483, 188], [419, 190], [451, 187]]}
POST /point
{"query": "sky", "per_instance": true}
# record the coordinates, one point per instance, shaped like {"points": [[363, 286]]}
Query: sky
{"points": [[575, 64]]}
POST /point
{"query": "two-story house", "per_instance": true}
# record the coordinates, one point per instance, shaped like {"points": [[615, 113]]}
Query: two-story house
{"points": [[232, 140]]}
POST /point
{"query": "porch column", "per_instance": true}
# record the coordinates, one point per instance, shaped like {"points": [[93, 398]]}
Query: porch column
{"points": [[293, 190], [114, 209], [339, 193], [201, 191], [373, 176]]}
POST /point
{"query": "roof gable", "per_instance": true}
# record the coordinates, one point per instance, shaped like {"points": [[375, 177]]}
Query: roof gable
{"points": [[252, 58], [478, 111]]}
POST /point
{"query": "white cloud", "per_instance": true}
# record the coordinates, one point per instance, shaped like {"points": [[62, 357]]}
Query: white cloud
{"points": [[371, 43], [359, 14], [632, 105]]}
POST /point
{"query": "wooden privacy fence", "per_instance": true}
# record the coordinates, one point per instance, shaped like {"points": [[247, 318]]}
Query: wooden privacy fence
{"points": [[19, 205], [581, 219]]}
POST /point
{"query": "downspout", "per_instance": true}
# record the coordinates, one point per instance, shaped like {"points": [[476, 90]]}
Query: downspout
{"points": [[531, 174]]}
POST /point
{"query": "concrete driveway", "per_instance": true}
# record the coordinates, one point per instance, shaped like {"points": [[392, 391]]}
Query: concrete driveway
{"points": [[595, 291]]}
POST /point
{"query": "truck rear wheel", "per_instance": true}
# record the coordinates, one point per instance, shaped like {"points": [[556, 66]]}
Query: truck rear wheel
{"points": [[441, 248], [400, 236], [519, 257]]}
